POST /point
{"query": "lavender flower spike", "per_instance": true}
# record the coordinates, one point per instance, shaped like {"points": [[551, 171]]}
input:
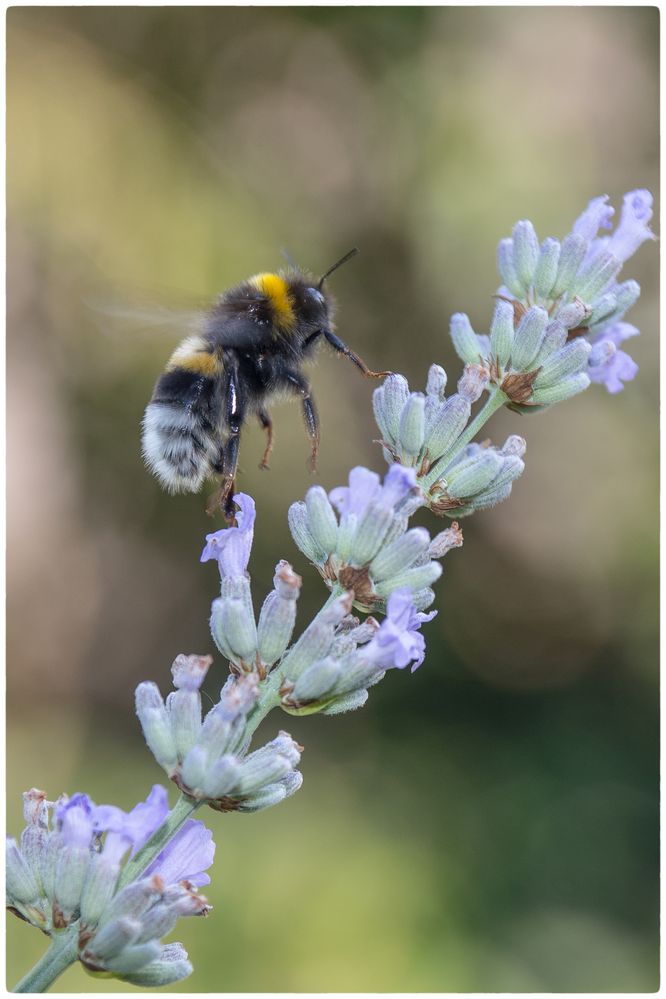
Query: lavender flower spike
{"points": [[77, 859]]}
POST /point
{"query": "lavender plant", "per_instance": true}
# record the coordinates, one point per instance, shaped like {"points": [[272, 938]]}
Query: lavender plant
{"points": [[107, 886]]}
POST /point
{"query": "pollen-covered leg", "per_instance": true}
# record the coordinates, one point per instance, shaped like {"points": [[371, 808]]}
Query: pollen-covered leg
{"points": [[267, 424], [342, 348]]}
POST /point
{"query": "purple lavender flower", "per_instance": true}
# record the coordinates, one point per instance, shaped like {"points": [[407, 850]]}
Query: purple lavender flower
{"points": [[231, 546], [125, 830], [609, 366], [633, 228], [74, 820], [189, 854], [365, 488], [597, 215], [397, 642]]}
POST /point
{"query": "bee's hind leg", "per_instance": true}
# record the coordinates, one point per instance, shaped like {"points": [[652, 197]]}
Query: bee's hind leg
{"points": [[267, 424], [222, 500], [312, 427]]}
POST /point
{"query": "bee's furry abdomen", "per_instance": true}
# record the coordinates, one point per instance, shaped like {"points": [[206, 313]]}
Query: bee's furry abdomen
{"points": [[181, 429]]}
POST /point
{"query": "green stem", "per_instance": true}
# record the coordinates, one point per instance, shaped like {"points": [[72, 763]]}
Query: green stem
{"points": [[495, 401], [176, 818], [62, 952]]}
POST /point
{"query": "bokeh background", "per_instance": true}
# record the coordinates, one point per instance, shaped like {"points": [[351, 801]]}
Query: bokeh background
{"points": [[489, 823]]}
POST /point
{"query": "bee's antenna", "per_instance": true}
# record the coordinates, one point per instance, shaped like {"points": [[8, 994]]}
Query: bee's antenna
{"points": [[339, 263]]}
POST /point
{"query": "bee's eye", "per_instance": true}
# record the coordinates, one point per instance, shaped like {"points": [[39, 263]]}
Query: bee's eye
{"points": [[316, 295]]}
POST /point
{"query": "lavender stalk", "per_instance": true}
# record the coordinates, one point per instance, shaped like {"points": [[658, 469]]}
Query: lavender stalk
{"points": [[107, 886]]}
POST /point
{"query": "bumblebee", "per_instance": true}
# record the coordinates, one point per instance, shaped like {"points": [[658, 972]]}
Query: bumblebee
{"points": [[249, 350]]}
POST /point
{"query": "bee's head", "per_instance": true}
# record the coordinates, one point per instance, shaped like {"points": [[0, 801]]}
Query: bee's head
{"points": [[314, 303]]}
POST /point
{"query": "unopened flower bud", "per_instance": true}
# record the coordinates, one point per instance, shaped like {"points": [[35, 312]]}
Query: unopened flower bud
{"points": [[528, 338], [321, 519], [171, 966], [473, 472], [221, 777], [156, 725], [506, 268], [317, 680], [560, 391], [370, 533], [568, 361], [450, 423], [546, 268], [301, 533], [555, 337], [413, 579], [525, 252], [502, 331], [132, 958], [113, 937], [594, 278], [464, 338], [21, 884], [412, 425], [239, 629], [572, 252], [278, 614], [388, 401]]}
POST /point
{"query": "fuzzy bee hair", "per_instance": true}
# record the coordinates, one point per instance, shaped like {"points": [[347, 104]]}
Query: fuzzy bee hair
{"points": [[250, 349]]}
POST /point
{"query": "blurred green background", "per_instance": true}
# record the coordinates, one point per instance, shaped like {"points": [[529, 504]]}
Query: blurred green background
{"points": [[489, 823]]}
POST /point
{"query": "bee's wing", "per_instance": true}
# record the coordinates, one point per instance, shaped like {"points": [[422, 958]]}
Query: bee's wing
{"points": [[112, 318]]}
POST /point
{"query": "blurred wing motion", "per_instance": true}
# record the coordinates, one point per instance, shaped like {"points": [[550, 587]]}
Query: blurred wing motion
{"points": [[114, 317]]}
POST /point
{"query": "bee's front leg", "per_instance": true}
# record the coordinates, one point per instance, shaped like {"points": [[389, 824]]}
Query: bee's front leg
{"points": [[342, 348]]}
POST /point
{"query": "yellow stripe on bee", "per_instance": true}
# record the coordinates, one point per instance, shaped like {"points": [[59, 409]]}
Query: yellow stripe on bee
{"points": [[275, 289], [193, 355]]}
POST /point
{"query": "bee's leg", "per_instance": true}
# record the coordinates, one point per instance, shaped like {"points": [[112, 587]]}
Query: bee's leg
{"points": [[312, 426], [299, 384], [267, 424], [342, 348], [234, 415]]}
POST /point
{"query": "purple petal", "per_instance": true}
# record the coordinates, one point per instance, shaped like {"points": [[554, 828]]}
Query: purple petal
{"points": [[618, 369], [131, 829], [616, 333], [596, 216], [398, 642], [633, 228], [187, 856], [363, 488], [231, 546], [398, 483], [75, 820]]}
